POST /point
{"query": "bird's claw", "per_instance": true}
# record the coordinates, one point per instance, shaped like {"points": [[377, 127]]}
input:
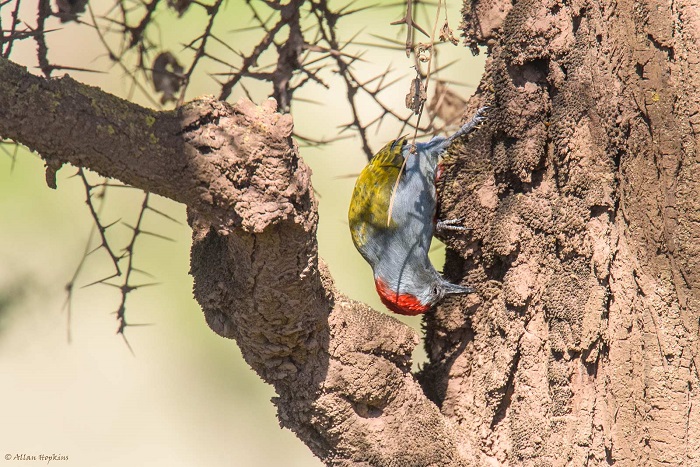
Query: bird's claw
{"points": [[479, 115], [449, 224], [470, 126]]}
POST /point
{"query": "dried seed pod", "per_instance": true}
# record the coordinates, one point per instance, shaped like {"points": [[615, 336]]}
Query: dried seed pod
{"points": [[447, 35], [167, 76], [179, 5], [68, 10], [416, 95]]}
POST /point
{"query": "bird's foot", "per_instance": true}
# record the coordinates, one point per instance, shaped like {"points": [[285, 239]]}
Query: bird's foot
{"points": [[451, 224], [471, 125]]}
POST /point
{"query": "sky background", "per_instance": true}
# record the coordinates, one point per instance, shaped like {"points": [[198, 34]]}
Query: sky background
{"points": [[186, 397]]}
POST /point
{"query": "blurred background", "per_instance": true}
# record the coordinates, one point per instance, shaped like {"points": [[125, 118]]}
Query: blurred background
{"points": [[69, 385]]}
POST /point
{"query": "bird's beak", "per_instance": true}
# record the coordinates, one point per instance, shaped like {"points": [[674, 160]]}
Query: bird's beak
{"points": [[454, 289]]}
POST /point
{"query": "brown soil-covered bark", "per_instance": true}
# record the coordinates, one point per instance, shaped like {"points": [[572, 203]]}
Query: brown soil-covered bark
{"points": [[583, 192], [579, 348], [340, 369]]}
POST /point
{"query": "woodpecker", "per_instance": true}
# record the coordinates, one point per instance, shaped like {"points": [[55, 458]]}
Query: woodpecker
{"points": [[397, 247]]}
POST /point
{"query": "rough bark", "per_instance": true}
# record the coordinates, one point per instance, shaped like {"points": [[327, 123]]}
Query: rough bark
{"points": [[340, 369], [581, 346], [583, 193]]}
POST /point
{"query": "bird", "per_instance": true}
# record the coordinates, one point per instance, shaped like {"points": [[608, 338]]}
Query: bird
{"points": [[394, 236]]}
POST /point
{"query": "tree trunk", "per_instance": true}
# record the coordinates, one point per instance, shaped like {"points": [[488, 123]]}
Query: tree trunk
{"points": [[579, 348], [583, 194]]}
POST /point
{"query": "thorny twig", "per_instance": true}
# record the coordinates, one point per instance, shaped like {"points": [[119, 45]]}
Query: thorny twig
{"points": [[125, 284], [419, 106], [298, 44], [410, 26]]}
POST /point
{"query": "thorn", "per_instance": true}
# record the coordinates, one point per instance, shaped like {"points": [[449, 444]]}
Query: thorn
{"points": [[157, 235], [141, 271], [126, 341], [102, 281], [97, 248], [140, 286], [105, 227]]}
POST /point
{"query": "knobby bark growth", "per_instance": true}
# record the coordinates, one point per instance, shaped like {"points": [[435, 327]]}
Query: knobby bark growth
{"points": [[340, 369], [580, 347]]}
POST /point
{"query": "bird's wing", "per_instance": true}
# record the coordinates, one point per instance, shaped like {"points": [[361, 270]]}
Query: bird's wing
{"points": [[372, 195]]}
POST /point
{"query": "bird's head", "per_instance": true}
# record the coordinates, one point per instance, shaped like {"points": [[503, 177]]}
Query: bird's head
{"points": [[413, 300]]}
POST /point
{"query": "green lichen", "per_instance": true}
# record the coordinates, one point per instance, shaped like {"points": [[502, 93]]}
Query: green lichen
{"points": [[54, 103], [110, 130], [153, 138], [150, 120]]}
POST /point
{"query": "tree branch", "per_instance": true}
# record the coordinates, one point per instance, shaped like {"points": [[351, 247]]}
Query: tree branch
{"points": [[341, 370]]}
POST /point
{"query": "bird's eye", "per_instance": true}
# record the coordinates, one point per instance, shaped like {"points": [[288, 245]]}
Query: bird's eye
{"points": [[435, 290]]}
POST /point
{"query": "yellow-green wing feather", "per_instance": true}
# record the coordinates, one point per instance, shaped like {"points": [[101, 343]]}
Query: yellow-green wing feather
{"points": [[369, 207]]}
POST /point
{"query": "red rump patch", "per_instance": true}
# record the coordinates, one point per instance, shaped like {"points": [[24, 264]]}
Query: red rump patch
{"points": [[403, 304], [438, 173]]}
